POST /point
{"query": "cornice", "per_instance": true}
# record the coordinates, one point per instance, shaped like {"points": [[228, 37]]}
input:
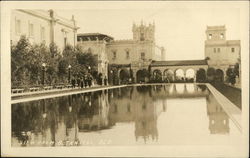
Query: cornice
{"points": [[48, 18]]}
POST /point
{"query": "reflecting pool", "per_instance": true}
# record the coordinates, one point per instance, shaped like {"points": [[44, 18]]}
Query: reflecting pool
{"points": [[176, 114]]}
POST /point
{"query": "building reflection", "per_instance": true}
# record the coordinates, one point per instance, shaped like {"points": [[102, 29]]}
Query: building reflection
{"points": [[218, 119], [138, 106], [93, 112], [59, 121]]}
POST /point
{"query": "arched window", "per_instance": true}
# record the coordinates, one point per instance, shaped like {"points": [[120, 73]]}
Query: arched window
{"points": [[221, 36], [210, 36]]}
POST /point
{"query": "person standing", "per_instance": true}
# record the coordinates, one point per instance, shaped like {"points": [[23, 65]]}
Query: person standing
{"points": [[82, 82], [78, 82], [85, 81], [73, 82], [105, 81], [89, 81]]}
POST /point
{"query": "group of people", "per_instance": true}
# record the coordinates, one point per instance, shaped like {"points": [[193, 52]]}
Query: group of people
{"points": [[85, 81], [82, 82]]}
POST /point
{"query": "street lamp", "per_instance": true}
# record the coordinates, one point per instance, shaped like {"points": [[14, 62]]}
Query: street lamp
{"points": [[89, 69], [69, 67], [43, 74], [111, 81]]}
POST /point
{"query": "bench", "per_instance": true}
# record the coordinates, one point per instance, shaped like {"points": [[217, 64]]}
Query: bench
{"points": [[34, 89], [47, 87], [17, 90], [59, 86], [68, 86]]}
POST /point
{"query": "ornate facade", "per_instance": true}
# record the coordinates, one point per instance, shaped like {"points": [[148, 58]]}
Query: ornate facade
{"points": [[127, 56]]}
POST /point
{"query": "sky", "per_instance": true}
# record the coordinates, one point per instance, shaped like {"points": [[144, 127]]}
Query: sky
{"points": [[179, 26]]}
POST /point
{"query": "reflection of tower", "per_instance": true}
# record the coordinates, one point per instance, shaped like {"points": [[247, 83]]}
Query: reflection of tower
{"points": [[146, 121], [164, 105], [71, 122], [94, 116], [218, 119]]}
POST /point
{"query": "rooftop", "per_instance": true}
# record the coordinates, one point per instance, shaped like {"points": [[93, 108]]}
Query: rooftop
{"points": [[219, 27], [93, 37], [179, 62]]}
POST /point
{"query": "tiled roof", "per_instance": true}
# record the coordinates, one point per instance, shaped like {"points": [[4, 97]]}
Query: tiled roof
{"points": [[93, 36], [179, 63]]}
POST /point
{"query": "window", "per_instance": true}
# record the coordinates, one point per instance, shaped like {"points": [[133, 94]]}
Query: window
{"points": [[18, 26], [31, 29], [127, 54], [210, 36], [218, 50], [42, 33], [65, 38], [142, 55], [214, 50], [221, 35], [114, 54], [142, 37], [232, 50]]}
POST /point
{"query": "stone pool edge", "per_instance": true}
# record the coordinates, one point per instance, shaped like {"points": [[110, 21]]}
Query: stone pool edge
{"points": [[231, 110], [47, 95]]}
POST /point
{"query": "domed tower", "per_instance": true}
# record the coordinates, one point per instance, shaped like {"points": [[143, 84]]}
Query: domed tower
{"points": [[143, 32]]}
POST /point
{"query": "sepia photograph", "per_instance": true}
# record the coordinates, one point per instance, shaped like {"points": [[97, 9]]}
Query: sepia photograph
{"points": [[125, 78]]}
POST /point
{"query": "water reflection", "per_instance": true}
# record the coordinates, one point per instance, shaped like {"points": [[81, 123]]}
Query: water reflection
{"points": [[61, 121], [218, 119]]}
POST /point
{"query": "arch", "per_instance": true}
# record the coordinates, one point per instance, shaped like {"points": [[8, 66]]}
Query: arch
{"points": [[157, 75], [124, 76], [179, 75], [219, 75], [168, 75], [190, 75], [141, 75], [113, 76]]}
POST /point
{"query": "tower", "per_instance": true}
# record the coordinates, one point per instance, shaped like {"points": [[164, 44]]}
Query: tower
{"points": [[216, 33], [143, 32]]}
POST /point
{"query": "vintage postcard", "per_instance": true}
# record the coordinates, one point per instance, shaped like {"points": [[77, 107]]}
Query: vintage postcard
{"points": [[124, 78]]}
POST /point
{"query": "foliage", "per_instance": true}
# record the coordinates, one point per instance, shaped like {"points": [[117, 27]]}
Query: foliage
{"points": [[231, 75], [210, 74], [201, 75], [27, 60]]}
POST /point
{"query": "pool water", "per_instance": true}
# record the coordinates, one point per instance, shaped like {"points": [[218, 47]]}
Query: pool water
{"points": [[175, 114]]}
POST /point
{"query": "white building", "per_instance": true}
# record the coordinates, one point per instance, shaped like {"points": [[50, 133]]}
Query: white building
{"points": [[43, 26]]}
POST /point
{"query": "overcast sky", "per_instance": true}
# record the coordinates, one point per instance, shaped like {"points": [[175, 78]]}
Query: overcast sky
{"points": [[180, 27]]}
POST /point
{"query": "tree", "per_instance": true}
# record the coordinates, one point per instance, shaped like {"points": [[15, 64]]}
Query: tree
{"points": [[210, 74], [231, 75], [19, 53], [201, 75], [237, 69]]}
